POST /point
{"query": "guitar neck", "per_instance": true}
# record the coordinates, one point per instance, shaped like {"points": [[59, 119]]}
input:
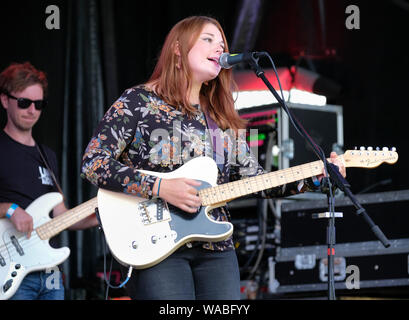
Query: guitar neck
{"points": [[67, 219], [232, 190]]}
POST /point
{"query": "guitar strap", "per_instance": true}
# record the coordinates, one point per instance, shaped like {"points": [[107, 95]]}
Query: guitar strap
{"points": [[219, 159], [43, 157]]}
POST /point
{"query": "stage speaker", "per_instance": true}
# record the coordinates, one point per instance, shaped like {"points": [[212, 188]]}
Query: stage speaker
{"points": [[323, 123]]}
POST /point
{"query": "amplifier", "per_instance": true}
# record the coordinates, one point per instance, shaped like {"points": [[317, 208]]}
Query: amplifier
{"points": [[323, 123]]}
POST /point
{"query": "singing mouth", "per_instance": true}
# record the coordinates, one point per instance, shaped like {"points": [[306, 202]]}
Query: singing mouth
{"points": [[214, 60]]}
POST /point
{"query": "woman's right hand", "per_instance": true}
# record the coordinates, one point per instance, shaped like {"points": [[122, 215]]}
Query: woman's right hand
{"points": [[180, 192]]}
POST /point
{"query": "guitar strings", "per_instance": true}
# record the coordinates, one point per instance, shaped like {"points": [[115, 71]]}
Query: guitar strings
{"points": [[257, 183], [27, 244]]}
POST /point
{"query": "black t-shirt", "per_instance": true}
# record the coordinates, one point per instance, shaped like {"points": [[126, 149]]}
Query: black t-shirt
{"points": [[23, 174]]}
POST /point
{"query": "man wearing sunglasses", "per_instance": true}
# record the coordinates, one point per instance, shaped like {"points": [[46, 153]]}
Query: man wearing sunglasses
{"points": [[24, 103], [25, 169]]}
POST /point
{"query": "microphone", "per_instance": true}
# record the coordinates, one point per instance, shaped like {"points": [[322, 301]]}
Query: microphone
{"points": [[228, 60]]}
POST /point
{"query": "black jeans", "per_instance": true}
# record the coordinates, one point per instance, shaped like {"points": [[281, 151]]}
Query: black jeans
{"points": [[189, 274]]}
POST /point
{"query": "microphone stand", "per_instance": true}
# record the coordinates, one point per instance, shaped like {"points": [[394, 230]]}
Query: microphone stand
{"points": [[332, 171]]}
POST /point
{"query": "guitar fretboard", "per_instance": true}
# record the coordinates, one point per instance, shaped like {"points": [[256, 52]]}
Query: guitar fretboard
{"points": [[67, 219], [232, 190]]}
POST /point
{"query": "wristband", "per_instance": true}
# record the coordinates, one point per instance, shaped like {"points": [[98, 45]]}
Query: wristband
{"points": [[316, 182], [160, 179], [11, 210]]}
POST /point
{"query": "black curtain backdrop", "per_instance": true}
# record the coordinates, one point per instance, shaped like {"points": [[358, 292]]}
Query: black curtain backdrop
{"points": [[106, 46], [84, 101]]}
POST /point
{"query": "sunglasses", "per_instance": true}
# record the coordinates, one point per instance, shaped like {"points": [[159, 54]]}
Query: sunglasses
{"points": [[24, 103]]}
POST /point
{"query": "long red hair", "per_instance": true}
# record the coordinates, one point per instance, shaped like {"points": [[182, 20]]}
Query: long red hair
{"points": [[171, 78]]}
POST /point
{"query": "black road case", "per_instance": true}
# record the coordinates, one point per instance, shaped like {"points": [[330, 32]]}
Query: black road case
{"points": [[361, 261]]}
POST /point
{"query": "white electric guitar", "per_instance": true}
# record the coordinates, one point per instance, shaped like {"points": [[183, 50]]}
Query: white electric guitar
{"points": [[142, 233], [20, 256], [139, 232]]}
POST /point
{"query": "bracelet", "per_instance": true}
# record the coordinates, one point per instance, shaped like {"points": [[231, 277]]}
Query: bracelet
{"points": [[11, 210], [160, 179]]}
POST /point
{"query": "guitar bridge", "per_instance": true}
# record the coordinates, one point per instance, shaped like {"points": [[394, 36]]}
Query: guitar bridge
{"points": [[153, 211]]}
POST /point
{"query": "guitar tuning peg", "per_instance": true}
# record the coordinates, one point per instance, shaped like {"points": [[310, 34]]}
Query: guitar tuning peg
{"points": [[362, 148], [370, 148], [377, 149], [355, 148], [385, 149], [393, 149]]}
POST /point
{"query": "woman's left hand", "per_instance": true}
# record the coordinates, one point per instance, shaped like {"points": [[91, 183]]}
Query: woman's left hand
{"points": [[338, 162]]}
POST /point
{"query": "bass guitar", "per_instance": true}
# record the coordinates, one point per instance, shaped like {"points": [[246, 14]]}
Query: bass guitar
{"points": [[20, 256]]}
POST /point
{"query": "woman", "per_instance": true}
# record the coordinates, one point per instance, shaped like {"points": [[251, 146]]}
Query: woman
{"points": [[161, 125]]}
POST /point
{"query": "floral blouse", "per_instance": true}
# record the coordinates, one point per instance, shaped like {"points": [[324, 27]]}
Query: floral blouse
{"points": [[141, 131]]}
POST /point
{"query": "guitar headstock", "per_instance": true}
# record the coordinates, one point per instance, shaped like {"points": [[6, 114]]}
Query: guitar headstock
{"points": [[369, 158]]}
